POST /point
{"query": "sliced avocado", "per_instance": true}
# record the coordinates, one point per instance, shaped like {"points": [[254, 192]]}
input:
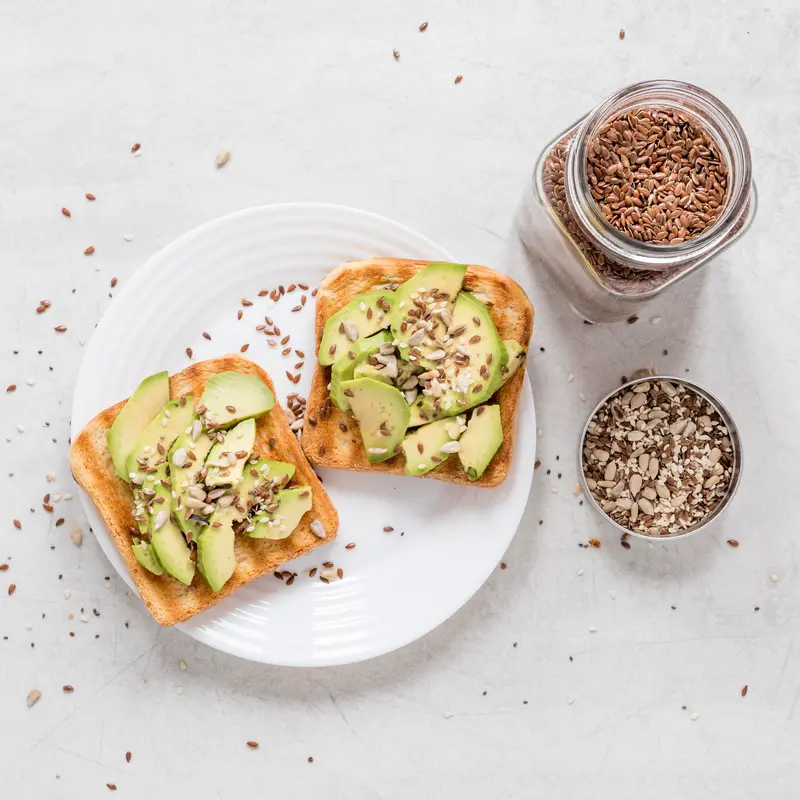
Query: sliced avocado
{"points": [[157, 438], [473, 384], [431, 444], [418, 302], [151, 450], [231, 397], [226, 460], [481, 440], [166, 538], [365, 370], [183, 471], [216, 556], [257, 473], [140, 410], [516, 356], [171, 550], [147, 557], [382, 415], [292, 504], [346, 362], [362, 316]]}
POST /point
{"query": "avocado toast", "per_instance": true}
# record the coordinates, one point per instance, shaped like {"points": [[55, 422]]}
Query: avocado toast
{"points": [[388, 396], [184, 563]]}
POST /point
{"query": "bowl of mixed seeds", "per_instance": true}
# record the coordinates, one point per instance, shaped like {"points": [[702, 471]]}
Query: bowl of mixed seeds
{"points": [[660, 458]]}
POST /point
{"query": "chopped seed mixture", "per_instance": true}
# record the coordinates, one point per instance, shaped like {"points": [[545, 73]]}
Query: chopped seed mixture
{"points": [[657, 458]]}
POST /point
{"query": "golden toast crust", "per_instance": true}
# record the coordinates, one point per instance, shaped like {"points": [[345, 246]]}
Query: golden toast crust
{"points": [[167, 599], [327, 444]]}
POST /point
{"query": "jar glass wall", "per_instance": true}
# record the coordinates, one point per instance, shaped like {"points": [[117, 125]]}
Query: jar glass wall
{"points": [[605, 274]]}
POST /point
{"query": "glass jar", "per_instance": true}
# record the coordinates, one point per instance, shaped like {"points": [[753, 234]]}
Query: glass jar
{"points": [[607, 275]]}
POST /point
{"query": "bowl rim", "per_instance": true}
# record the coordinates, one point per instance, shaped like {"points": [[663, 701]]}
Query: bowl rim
{"points": [[733, 435]]}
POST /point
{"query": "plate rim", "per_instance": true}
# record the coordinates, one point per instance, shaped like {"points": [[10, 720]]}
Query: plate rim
{"points": [[204, 634]]}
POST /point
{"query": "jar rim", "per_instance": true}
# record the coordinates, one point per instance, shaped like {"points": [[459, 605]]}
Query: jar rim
{"points": [[719, 123]]}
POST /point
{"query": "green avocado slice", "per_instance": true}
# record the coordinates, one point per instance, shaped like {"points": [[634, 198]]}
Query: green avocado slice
{"points": [[292, 505], [346, 362], [382, 415], [140, 410], [476, 339], [166, 538], [216, 555], [259, 472], [232, 397], [431, 444], [183, 471], [365, 370], [151, 450], [481, 440], [361, 317], [516, 357], [427, 297], [226, 460], [146, 557]]}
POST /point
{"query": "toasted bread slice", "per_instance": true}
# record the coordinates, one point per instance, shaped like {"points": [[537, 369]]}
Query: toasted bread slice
{"points": [[167, 599], [328, 444]]}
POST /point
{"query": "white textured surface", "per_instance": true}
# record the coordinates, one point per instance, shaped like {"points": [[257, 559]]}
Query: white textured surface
{"points": [[313, 107], [371, 612]]}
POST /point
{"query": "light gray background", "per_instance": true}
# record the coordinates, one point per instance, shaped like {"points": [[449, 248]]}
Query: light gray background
{"points": [[313, 107]]}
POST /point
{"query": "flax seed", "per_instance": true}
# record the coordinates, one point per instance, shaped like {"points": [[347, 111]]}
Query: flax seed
{"points": [[207, 335], [244, 348], [89, 250], [90, 196], [66, 212], [189, 352]]}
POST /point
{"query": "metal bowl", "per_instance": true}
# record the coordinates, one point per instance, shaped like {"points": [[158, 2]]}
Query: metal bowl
{"points": [[733, 435]]}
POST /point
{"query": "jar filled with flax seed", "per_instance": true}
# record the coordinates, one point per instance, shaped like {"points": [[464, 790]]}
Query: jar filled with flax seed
{"points": [[637, 195]]}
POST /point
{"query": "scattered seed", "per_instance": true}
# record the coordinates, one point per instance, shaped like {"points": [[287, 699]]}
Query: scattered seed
{"points": [[66, 212], [222, 158], [253, 745], [459, 78], [207, 336], [244, 348], [68, 689], [189, 352], [350, 546], [396, 54], [112, 787], [60, 329], [17, 524], [297, 308], [424, 26], [595, 543], [387, 528], [12, 587], [733, 542], [135, 148], [128, 756], [113, 282], [772, 576], [340, 573], [34, 696], [59, 522], [89, 250], [744, 690]]}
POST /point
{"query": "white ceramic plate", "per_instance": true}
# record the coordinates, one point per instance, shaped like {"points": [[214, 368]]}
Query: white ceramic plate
{"points": [[397, 586]]}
